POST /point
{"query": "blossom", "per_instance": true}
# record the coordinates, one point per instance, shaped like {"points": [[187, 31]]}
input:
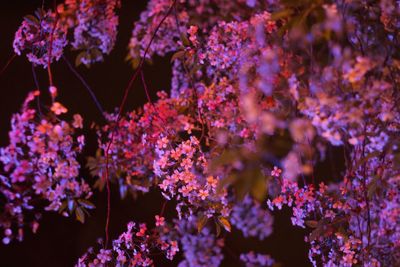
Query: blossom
{"points": [[276, 172], [39, 164], [96, 29], [160, 221], [43, 37], [58, 108], [252, 259], [134, 247], [200, 249], [251, 219], [252, 87]]}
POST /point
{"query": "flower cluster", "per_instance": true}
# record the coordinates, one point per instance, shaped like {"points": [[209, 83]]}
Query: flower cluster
{"points": [[182, 175], [138, 245], [204, 14], [145, 28], [246, 59], [254, 84], [251, 219], [347, 118], [134, 247], [96, 28], [350, 225], [134, 142], [200, 248], [43, 37], [252, 259], [246, 41], [40, 165]]}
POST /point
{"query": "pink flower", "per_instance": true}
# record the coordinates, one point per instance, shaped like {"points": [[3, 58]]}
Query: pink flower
{"points": [[142, 230], [78, 121], [276, 172], [58, 108], [203, 194], [160, 221]]}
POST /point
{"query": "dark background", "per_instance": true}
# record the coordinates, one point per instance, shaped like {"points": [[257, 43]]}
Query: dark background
{"points": [[60, 241]]}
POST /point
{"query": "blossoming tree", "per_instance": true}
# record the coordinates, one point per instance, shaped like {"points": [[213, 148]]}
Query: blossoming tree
{"points": [[261, 91]]}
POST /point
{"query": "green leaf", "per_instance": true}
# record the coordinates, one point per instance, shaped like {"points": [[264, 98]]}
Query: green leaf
{"points": [[242, 188], [32, 20], [311, 223], [366, 158], [201, 222], [225, 181], [185, 40], [86, 204], [78, 59], [373, 186], [218, 229], [194, 69], [96, 53], [396, 160], [259, 187], [63, 206], [100, 184], [135, 62], [225, 223], [296, 3], [71, 205], [80, 215], [226, 158], [281, 14], [40, 13], [93, 164], [178, 55], [315, 234]]}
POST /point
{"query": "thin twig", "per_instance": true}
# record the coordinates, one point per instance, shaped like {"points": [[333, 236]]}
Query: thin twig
{"points": [[191, 82], [37, 88], [121, 108], [145, 87], [50, 51], [7, 64], [50, 74], [142, 60], [364, 181], [163, 208], [85, 84]]}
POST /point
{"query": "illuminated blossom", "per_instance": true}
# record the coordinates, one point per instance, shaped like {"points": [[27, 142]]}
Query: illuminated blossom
{"points": [[40, 163], [42, 37]]}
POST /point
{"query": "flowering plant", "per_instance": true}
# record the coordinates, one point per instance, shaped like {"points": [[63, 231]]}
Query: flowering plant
{"points": [[261, 93]]}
